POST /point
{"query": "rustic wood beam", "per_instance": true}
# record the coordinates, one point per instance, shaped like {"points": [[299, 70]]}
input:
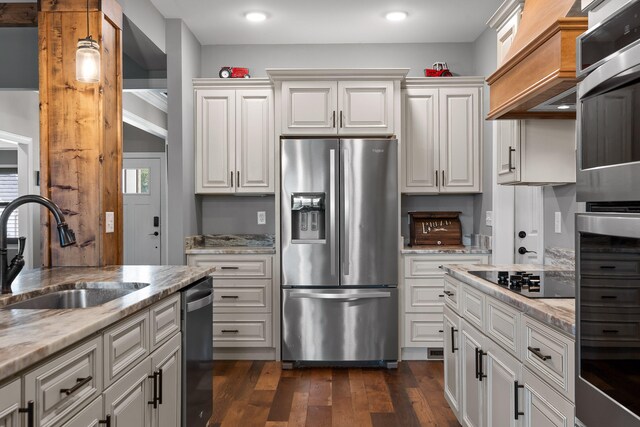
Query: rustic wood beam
{"points": [[18, 14]]}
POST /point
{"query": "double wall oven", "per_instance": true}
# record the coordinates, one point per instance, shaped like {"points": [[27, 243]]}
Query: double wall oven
{"points": [[608, 234]]}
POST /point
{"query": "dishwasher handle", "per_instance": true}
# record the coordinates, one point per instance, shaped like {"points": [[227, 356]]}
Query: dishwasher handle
{"points": [[199, 303]]}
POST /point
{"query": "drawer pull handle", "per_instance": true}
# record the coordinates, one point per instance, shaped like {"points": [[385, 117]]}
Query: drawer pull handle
{"points": [[154, 400], [80, 382], [106, 421], [517, 412], [610, 331], [230, 331], [608, 267], [30, 411], [441, 296], [229, 296], [440, 331], [538, 354], [229, 268], [609, 297], [453, 339], [449, 293]]}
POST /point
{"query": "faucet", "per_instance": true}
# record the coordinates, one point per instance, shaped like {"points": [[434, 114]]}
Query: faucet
{"points": [[8, 272]]}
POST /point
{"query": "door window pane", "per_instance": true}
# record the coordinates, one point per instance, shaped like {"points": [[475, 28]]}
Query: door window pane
{"points": [[135, 181]]}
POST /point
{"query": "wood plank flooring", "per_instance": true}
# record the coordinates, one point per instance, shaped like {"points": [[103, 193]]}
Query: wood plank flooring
{"points": [[258, 393]]}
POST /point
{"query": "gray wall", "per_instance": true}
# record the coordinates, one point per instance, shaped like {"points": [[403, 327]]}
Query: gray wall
{"points": [[560, 199], [19, 50], [183, 64], [459, 203], [415, 56], [146, 17], [485, 61], [233, 214], [138, 141]]}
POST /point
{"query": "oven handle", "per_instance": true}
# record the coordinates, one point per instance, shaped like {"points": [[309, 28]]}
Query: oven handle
{"points": [[613, 73], [620, 225]]}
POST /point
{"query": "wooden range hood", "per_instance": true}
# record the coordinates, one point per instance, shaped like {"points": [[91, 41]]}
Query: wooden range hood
{"points": [[541, 62]]}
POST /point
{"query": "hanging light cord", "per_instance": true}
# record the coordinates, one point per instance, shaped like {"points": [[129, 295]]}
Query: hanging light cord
{"points": [[88, 35]]}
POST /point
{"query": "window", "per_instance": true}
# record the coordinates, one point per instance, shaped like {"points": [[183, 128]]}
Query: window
{"points": [[135, 181], [8, 192]]}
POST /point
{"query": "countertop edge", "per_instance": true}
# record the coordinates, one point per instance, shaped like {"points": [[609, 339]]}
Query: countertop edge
{"points": [[232, 250], [543, 310], [467, 250]]}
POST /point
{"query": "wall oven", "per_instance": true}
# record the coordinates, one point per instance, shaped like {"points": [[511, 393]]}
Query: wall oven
{"points": [[608, 55], [608, 316]]}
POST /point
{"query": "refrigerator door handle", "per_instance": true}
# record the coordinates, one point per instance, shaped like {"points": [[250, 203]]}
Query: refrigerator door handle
{"points": [[346, 212], [332, 208], [340, 296]]}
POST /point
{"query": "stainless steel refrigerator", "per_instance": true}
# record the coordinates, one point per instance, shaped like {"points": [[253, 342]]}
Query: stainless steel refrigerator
{"points": [[339, 245]]}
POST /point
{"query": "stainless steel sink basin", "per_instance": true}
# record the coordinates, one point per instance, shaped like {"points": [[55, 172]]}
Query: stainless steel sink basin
{"points": [[84, 295]]}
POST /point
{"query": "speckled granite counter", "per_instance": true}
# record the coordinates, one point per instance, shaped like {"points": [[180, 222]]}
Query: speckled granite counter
{"points": [[417, 250], [556, 312], [29, 336], [225, 244]]}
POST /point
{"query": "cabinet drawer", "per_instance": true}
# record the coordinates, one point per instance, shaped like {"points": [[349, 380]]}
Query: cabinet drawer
{"points": [[549, 354], [472, 306], [423, 330], [451, 293], [125, 344], [608, 266], [614, 297], [66, 384], [429, 265], [164, 320], [248, 330], [242, 296], [234, 266], [503, 325], [620, 334], [421, 294]]}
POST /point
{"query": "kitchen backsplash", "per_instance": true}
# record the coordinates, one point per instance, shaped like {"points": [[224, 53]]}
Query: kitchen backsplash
{"points": [[560, 257]]}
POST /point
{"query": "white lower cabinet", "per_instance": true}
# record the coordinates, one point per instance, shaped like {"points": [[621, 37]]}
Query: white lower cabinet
{"points": [[492, 379], [166, 361], [91, 416], [127, 401], [10, 414]]}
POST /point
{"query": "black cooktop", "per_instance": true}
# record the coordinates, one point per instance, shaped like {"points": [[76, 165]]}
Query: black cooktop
{"points": [[533, 284]]}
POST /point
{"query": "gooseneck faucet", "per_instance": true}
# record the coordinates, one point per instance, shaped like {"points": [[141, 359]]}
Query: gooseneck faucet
{"points": [[8, 272]]}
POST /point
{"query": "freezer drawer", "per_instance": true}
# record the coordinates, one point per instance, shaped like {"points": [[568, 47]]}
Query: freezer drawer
{"points": [[340, 325]]}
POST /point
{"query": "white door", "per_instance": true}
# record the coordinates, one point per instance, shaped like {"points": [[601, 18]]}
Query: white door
{"points": [[309, 108], [90, 416], [508, 151], [502, 370], [460, 140], [529, 232], [542, 405], [421, 146], [127, 401], [142, 187], [10, 396], [472, 407], [167, 361], [451, 332], [365, 108]]}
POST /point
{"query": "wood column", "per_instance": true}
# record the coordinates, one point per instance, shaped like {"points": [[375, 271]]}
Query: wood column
{"points": [[81, 131]]}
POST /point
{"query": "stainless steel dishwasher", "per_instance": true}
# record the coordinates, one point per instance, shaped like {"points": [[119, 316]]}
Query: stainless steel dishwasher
{"points": [[197, 353]]}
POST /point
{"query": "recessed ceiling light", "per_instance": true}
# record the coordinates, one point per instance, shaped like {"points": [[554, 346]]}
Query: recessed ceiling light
{"points": [[564, 107], [396, 16], [255, 16]]}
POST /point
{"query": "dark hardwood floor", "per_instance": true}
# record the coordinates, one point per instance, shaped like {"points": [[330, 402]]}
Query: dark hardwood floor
{"points": [[256, 393]]}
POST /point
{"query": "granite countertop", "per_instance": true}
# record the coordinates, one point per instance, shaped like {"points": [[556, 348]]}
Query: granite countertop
{"points": [[416, 250], [29, 336], [556, 312], [225, 244]]}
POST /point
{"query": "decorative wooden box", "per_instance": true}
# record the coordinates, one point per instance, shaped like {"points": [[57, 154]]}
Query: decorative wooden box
{"points": [[435, 229]]}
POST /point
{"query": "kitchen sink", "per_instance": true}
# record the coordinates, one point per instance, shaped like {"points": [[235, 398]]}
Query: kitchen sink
{"points": [[83, 295]]}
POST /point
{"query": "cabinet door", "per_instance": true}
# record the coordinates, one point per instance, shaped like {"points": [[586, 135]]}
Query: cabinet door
{"points": [[90, 416], [365, 108], [421, 145], [309, 108], [542, 405], [472, 389], [254, 141], [460, 158], [167, 362], [127, 401], [215, 141], [502, 371], [10, 405], [452, 359], [508, 155]]}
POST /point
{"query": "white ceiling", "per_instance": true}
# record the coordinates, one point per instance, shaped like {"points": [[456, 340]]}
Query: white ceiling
{"points": [[331, 21]]}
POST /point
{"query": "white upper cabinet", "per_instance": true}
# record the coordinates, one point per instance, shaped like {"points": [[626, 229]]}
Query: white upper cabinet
{"points": [[365, 108], [442, 139], [309, 107], [234, 141]]}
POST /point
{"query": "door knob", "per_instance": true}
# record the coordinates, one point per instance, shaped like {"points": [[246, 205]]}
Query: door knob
{"points": [[522, 234], [522, 250], [155, 233]]}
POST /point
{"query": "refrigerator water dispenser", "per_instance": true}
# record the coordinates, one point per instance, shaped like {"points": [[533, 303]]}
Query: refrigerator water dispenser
{"points": [[308, 218]]}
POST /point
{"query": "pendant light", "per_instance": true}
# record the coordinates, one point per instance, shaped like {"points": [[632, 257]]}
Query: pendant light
{"points": [[88, 58]]}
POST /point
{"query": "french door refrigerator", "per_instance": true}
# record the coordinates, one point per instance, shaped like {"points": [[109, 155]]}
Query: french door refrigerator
{"points": [[339, 246]]}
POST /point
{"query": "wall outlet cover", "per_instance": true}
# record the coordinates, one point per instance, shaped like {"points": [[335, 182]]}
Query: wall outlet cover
{"points": [[558, 222], [262, 217], [489, 219], [109, 222]]}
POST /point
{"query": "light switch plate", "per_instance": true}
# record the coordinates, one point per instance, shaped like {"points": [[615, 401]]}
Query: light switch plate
{"points": [[489, 219], [558, 222], [262, 217], [109, 222]]}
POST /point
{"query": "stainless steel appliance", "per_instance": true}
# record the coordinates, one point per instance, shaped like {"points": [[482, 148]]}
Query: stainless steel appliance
{"points": [[608, 317], [339, 241], [608, 107], [197, 353], [533, 284]]}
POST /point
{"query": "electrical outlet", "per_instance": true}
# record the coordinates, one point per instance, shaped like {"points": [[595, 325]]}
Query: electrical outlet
{"points": [[262, 217], [109, 222], [489, 219], [558, 222]]}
